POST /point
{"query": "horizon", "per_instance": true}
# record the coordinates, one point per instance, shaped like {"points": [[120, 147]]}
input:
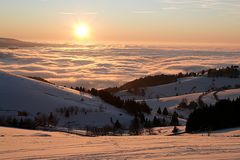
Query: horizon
{"points": [[225, 47]]}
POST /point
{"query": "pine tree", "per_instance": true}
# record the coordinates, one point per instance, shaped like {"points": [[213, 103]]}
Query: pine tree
{"points": [[117, 125], [156, 122], [14, 122], [164, 123], [67, 113], [174, 120], [135, 127], [52, 120], [159, 111], [147, 124], [21, 123], [165, 111], [142, 118]]}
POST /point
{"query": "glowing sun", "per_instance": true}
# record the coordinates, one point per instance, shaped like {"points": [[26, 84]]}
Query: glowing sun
{"points": [[82, 31]]}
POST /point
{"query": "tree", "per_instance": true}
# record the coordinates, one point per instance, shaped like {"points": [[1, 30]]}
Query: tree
{"points": [[174, 120], [21, 123], [156, 122], [52, 120], [147, 124], [159, 111], [142, 118], [117, 125], [224, 114], [165, 111], [164, 123], [14, 122], [41, 119], [135, 127], [183, 103], [175, 129], [67, 115], [192, 105]]}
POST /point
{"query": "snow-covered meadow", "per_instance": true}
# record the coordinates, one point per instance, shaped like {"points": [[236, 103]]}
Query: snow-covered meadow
{"points": [[31, 144]]}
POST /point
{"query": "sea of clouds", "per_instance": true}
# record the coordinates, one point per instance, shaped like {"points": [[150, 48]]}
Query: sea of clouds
{"points": [[103, 66]]}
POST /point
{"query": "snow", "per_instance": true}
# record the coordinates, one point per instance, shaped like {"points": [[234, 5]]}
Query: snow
{"points": [[191, 85], [171, 103], [223, 145], [190, 89], [232, 94], [18, 93], [183, 86]]}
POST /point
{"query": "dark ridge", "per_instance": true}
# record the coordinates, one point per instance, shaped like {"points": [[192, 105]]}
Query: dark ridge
{"points": [[40, 79], [149, 81], [14, 43]]}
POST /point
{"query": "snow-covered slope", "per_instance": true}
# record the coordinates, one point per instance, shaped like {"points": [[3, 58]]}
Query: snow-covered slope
{"points": [[209, 90], [19, 93], [171, 103], [184, 86]]}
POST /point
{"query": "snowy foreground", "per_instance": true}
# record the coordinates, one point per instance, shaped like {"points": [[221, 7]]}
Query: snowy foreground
{"points": [[28, 144]]}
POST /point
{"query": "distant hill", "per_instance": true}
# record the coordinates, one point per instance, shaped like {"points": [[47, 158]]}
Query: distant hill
{"points": [[13, 43]]}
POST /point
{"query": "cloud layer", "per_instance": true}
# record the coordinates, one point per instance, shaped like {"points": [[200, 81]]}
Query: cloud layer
{"points": [[103, 66]]}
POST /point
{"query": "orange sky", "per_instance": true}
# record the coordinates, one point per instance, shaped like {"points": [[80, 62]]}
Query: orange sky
{"points": [[172, 21]]}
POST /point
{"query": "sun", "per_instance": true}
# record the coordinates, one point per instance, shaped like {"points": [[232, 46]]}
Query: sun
{"points": [[82, 31]]}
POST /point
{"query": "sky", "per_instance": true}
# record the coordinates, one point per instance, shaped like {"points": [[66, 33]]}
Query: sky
{"points": [[170, 21]]}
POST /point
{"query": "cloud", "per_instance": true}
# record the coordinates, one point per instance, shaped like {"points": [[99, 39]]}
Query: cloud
{"points": [[170, 8], [143, 12], [200, 4], [90, 13], [104, 66], [67, 13]]}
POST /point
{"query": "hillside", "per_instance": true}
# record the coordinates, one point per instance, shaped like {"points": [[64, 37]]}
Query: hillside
{"points": [[183, 86], [8, 42], [19, 93], [172, 103]]}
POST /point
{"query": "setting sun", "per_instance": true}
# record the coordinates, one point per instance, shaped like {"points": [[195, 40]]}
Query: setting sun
{"points": [[81, 31]]}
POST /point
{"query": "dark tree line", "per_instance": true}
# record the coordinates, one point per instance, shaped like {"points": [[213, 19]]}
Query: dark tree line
{"points": [[45, 120], [11, 121], [224, 114], [29, 123], [81, 89], [131, 106], [232, 72], [116, 129], [40, 79], [68, 111], [150, 81]]}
